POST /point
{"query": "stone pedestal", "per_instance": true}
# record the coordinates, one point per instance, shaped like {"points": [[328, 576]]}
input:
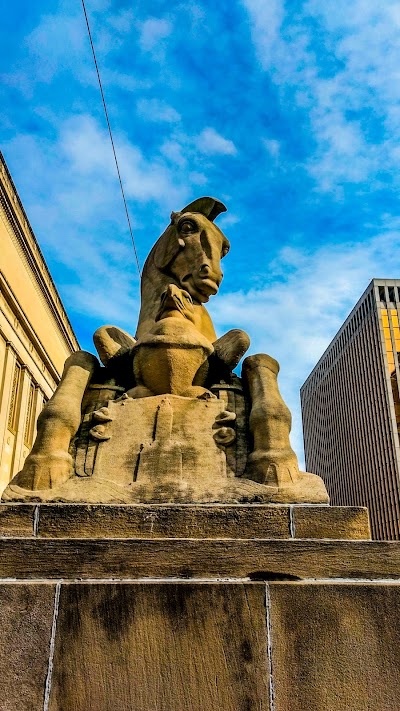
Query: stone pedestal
{"points": [[185, 607]]}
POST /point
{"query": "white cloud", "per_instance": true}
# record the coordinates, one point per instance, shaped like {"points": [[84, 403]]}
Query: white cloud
{"points": [[266, 20], [196, 178], [272, 147], [157, 110], [228, 220], [212, 143], [295, 315], [152, 31], [175, 150], [122, 80], [122, 21]]}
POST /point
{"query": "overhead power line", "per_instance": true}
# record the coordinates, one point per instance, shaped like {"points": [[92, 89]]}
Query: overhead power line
{"points": [[111, 135]]}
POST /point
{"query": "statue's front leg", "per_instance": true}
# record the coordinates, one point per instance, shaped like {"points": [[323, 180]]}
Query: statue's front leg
{"points": [[231, 347], [49, 464], [272, 460]]}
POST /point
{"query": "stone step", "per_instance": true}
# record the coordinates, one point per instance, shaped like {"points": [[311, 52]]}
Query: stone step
{"points": [[201, 559], [184, 521]]}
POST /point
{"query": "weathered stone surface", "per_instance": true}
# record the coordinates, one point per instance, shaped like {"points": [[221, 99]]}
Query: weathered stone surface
{"points": [[17, 519], [26, 616], [335, 647], [49, 464], [165, 448], [173, 356], [169, 647], [194, 521], [343, 522], [202, 646], [271, 521], [158, 521], [25, 558]]}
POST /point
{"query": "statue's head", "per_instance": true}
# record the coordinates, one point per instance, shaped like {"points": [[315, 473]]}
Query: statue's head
{"points": [[191, 249]]}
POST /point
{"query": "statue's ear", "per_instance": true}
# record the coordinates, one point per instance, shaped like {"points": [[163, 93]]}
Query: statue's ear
{"points": [[207, 206], [166, 248]]}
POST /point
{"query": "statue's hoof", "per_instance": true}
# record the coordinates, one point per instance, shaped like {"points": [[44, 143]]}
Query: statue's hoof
{"points": [[44, 471], [231, 347], [273, 467], [280, 468]]}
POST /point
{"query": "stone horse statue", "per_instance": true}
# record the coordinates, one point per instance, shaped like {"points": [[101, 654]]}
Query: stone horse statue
{"points": [[164, 418]]}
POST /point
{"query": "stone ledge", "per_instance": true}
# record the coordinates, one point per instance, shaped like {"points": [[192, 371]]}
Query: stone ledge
{"points": [[183, 521], [135, 559]]}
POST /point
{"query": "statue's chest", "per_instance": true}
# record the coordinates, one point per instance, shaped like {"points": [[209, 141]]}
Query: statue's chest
{"points": [[176, 333]]}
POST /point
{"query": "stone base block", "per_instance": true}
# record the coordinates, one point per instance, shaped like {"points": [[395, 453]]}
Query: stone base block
{"points": [[184, 646], [197, 623], [261, 521]]}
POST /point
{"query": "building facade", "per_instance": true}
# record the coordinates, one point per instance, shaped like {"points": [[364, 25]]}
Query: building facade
{"points": [[36, 336], [351, 410]]}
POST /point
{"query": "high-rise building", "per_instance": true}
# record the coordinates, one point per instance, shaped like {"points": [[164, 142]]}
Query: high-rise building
{"points": [[351, 410], [36, 336]]}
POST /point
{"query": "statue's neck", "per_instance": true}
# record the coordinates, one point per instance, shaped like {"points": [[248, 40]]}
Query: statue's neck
{"points": [[151, 291]]}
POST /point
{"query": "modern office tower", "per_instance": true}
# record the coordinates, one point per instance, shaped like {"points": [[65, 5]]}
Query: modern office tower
{"points": [[351, 410], [36, 336]]}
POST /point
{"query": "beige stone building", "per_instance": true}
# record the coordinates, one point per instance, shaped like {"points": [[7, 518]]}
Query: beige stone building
{"points": [[35, 334]]}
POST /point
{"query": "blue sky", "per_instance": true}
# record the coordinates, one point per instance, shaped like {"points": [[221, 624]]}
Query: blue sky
{"points": [[288, 112]]}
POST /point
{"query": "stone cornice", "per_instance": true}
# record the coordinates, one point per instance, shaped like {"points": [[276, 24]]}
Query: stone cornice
{"points": [[28, 244]]}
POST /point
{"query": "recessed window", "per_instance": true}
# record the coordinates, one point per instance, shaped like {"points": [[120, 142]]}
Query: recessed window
{"points": [[30, 416]]}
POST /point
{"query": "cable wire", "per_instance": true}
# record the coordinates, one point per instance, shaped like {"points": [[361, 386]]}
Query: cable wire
{"points": [[111, 136]]}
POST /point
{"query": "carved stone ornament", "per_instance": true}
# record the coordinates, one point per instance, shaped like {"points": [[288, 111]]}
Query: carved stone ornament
{"points": [[164, 418]]}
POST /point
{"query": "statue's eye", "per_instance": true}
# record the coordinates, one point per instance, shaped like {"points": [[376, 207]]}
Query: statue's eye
{"points": [[186, 226], [225, 250]]}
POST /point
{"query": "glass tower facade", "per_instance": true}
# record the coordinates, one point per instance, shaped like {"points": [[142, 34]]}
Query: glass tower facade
{"points": [[351, 410]]}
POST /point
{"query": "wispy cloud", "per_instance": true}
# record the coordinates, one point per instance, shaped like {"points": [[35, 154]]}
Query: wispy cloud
{"points": [[212, 143], [152, 32], [272, 146], [339, 63], [157, 110]]}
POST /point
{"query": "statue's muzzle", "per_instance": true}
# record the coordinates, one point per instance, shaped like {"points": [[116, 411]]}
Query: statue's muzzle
{"points": [[208, 280]]}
